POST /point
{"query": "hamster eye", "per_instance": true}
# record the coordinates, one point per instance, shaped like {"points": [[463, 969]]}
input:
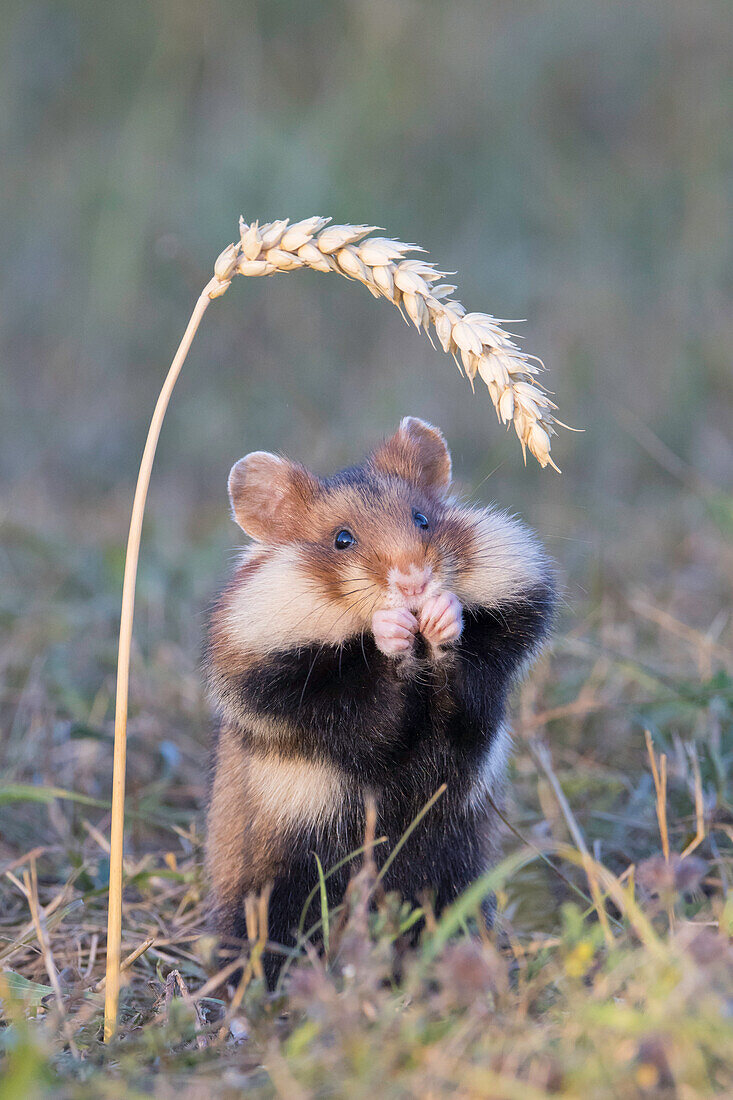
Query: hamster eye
{"points": [[420, 520], [344, 539]]}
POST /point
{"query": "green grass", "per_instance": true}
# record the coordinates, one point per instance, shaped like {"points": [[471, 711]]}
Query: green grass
{"points": [[548, 1004]]}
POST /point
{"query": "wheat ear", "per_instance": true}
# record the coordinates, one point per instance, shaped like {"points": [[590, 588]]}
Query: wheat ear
{"points": [[412, 285], [477, 341]]}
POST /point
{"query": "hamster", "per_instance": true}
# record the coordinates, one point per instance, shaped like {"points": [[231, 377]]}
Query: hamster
{"points": [[364, 646]]}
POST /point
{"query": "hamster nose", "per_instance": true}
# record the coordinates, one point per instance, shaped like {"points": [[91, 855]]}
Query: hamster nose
{"points": [[412, 588], [413, 583]]}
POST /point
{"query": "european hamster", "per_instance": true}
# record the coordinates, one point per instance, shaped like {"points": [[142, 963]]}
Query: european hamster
{"points": [[365, 644]]}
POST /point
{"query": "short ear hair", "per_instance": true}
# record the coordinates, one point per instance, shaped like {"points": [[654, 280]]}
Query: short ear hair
{"points": [[271, 497], [417, 453]]}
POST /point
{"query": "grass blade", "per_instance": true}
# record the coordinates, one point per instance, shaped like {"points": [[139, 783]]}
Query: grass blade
{"points": [[324, 905], [469, 901], [408, 832]]}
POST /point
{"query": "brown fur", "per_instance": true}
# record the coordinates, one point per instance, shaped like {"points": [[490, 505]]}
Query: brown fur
{"points": [[418, 454], [257, 799], [228, 862]]}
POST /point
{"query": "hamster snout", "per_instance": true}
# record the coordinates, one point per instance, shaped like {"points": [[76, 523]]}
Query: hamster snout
{"points": [[410, 587]]}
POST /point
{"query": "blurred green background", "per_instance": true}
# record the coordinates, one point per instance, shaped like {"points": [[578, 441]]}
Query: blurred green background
{"points": [[570, 160]]}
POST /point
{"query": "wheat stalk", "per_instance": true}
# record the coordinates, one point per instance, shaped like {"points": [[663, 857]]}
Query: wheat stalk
{"points": [[485, 348], [477, 341]]}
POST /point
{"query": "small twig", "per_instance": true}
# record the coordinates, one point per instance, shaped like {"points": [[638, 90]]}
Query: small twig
{"points": [[263, 905], [16, 863], [542, 755], [627, 903], [128, 961], [173, 981], [96, 835], [660, 786], [579, 708], [699, 805], [255, 913], [30, 882], [251, 916], [93, 945], [200, 1022], [17, 883], [218, 979], [544, 857], [668, 622], [236, 999], [663, 455]]}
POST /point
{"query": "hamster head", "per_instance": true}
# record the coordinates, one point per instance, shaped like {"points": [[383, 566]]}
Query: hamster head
{"points": [[382, 534]]}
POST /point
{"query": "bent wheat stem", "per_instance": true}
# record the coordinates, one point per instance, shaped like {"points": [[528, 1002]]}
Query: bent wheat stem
{"points": [[114, 909]]}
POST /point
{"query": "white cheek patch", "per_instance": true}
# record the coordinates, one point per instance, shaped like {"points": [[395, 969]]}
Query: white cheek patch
{"points": [[492, 770], [506, 560], [281, 607]]}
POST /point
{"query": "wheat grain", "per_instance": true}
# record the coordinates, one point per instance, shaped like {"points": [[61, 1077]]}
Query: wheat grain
{"points": [[477, 341]]}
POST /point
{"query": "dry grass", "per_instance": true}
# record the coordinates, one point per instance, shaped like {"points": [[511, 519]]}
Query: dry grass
{"points": [[610, 973]]}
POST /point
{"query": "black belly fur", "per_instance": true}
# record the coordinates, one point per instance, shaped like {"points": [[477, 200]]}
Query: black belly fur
{"points": [[398, 732]]}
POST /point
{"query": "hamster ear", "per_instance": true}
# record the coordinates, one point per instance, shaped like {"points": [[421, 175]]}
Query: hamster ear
{"points": [[271, 497], [417, 453]]}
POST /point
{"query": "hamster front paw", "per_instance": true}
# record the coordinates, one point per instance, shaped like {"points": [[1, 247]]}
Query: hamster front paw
{"points": [[441, 619], [394, 630]]}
